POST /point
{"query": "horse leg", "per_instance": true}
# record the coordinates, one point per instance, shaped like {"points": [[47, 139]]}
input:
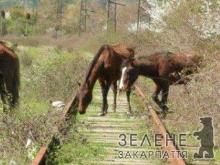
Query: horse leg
{"points": [[164, 81], [165, 92], [156, 91], [105, 101], [128, 100], [114, 88], [105, 88], [15, 91], [9, 87], [3, 92]]}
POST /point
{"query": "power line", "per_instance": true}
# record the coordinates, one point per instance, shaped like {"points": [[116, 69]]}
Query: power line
{"points": [[84, 13], [138, 17], [115, 13], [59, 17]]}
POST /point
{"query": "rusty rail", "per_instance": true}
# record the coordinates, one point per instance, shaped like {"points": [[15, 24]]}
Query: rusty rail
{"points": [[67, 114], [170, 147]]}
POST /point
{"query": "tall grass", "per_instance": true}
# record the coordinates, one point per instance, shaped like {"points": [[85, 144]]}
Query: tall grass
{"points": [[47, 73]]}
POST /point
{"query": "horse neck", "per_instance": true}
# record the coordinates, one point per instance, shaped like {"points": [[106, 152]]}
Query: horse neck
{"points": [[143, 69], [93, 76], [185, 62]]}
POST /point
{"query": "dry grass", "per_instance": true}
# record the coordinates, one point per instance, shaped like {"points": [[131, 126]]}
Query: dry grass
{"points": [[47, 73], [179, 36]]}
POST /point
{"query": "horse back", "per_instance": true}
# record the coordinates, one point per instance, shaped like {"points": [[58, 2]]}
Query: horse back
{"points": [[123, 51], [8, 59]]}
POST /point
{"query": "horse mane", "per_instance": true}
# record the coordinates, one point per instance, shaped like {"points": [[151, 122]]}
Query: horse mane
{"points": [[92, 64], [164, 53], [16, 82], [124, 50]]}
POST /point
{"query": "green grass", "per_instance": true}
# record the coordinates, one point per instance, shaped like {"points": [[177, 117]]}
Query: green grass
{"points": [[47, 73], [184, 116], [217, 154], [76, 149]]}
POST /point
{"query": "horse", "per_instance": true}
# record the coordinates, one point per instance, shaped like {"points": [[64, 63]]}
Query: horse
{"points": [[9, 76], [105, 67], [164, 68]]}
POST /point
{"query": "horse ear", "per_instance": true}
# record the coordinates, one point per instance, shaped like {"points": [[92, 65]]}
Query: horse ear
{"points": [[131, 62], [132, 52]]}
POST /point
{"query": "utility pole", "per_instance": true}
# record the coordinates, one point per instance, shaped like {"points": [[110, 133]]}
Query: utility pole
{"points": [[80, 17], [27, 23], [115, 28], [84, 13], [115, 14], [36, 9], [138, 16], [3, 23], [108, 15], [59, 17]]}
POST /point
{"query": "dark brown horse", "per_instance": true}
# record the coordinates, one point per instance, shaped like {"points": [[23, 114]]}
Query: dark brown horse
{"points": [[105, 67], [164, 68], [9, 76]]}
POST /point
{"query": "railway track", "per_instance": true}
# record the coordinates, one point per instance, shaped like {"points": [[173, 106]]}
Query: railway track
{"points": [[66, 116], [174, 160], [158, 127]]}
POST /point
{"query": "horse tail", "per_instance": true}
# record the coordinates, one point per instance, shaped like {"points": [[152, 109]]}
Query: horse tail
{"points": [[16, 83], [95, 59]]}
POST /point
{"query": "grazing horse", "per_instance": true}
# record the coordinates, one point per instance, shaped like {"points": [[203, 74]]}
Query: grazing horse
{"points": [[9, 76], [164, 68], [106, 67]]}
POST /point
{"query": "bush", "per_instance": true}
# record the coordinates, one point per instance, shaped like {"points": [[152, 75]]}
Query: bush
{"points": [[47, 73]]}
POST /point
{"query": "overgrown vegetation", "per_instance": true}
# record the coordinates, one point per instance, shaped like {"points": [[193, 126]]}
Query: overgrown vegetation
{"points": [[202, 100], [50, 73], [47, 73]]}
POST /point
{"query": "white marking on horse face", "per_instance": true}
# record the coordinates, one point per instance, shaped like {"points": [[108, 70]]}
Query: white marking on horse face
{"points": [[121, 85]]}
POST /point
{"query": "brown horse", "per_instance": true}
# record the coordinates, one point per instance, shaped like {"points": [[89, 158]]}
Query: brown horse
{"points": [[164, 68], [105, 67], [9, 76]]}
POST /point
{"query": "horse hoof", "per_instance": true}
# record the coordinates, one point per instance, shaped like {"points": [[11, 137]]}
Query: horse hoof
{"points": [[114, 110], [165, 108], [155, 99], [102, 114], [129, 113]]}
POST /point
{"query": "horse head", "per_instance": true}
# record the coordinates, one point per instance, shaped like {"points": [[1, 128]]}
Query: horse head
{"points": [[129, 74], [84, 97], [194, 62]]}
